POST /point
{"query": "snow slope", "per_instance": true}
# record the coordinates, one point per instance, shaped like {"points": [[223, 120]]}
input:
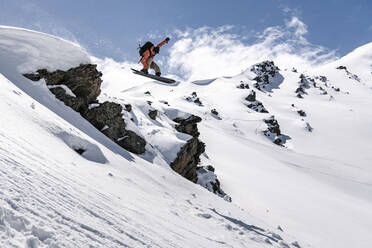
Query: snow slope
{"points": [[106, 197], [318, 187]]}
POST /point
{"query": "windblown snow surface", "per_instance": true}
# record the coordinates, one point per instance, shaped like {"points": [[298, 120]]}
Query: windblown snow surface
{"points": [[316, 191]]}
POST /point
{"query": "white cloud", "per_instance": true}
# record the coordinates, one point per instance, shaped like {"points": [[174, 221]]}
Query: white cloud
{"points": [[299, 27], [214, 52]]}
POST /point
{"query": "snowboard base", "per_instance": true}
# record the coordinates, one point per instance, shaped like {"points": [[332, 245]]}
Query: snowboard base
{"points": [[161, 79]]}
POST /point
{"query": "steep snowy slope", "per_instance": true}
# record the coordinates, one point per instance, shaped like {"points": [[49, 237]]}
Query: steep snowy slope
{"points": [[51, 196], [318, 185]]}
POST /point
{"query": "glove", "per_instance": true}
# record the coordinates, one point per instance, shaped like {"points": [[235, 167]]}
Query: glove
{"points": [[167, 39]]}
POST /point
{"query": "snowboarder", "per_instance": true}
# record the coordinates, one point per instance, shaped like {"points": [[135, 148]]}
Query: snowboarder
{"points": [[148, 52]]}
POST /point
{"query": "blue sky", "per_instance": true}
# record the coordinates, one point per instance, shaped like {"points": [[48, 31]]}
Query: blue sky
{"points": [[113, 28]]}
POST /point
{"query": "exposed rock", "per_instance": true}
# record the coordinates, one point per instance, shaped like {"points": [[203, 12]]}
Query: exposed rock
{"points": [[76, 103], [273, 131], [341, 67], [132, 142], [108, 115], [208, 180], [255, 104], [153, 114], [79, 150], [32, 77], [188, 158], [214, 111], [303, 85], [336, 88], [108, 118], [322, 78], [301, 113], [84, 81], [209, 168], [272, 125], [265, 71], [258, 107], [351, 75], [243, 85], [128, 107], [188, 125], [251, 97], [194, 98], [308, 127], [295, 244]]}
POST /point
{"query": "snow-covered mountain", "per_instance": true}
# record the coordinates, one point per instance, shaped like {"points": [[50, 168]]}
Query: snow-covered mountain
{"points": [[290, 147]]}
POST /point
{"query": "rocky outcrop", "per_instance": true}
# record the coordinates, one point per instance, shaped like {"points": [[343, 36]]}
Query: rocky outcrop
{"points": [[153, 114], [188, 159], [303, 85], [188, 125], [265, 72], [208, 180], [107, 117], [194, 98], [84, 81], [351, 75], [273, 131], [254, 104], [79, 88], [243, 85]]}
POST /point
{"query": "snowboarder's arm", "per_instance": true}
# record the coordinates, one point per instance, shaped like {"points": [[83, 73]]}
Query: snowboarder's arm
{"points": [[163, 42]]}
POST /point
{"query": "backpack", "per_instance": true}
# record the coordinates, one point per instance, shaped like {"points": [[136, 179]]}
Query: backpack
{"points": [[146, 46]]}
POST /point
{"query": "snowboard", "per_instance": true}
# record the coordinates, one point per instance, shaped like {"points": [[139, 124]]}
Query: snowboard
{"points": [[161, 79]]}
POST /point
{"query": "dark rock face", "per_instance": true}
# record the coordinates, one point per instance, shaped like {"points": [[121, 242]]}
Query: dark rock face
{"points": [[214, 111], [273, 131], [84, 82], [107, 118], [76, 103], [194, 98], [341, 67], [128, 107], [255, 104], [208, 180], [153, 114], [303, 85], [351, 75], [243, 85], [272, 125], [258, 107], [189, 125], [301, 113], [251, 97], [188, 158], [132, 142], [264, 71]]}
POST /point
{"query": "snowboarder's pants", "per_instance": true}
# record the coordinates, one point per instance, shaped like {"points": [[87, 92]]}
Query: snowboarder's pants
{"points": [[150, 63]]}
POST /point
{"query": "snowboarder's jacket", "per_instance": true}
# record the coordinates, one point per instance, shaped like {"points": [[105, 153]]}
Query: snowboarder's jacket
{"points": [[150, 53]]}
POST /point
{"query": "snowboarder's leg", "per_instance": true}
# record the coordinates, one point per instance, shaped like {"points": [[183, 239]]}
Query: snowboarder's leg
{"points": [[145, 64], [155, 67]]}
